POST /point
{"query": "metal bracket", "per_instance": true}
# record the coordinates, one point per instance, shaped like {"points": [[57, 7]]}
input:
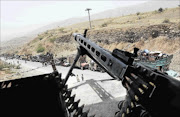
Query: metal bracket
{"points": [[79, 52]]}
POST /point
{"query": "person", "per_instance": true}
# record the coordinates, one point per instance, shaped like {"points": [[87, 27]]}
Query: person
{"points": [[77, 78], [43, 63], [82, 77]]}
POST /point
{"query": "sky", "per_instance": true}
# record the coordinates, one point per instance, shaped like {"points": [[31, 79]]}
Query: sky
{"points": [[19, 17]]}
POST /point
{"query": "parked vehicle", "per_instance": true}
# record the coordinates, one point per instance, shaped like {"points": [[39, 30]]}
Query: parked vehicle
{"points": [[95, 67], [81, 63], [155, 59], [62, 61]]}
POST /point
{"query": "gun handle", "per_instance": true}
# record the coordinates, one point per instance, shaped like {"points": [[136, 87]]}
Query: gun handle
{"points": [[135, 52]]}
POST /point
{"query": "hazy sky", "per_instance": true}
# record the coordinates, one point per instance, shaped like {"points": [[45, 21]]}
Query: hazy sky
{"points": [[24, 16]]}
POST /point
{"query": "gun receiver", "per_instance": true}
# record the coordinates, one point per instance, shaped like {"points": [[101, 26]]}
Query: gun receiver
{"points": [[112, 65], [145, 86]]}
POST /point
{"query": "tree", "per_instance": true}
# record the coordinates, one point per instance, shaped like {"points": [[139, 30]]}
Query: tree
{"points": [[138, 13], [160, 10]]}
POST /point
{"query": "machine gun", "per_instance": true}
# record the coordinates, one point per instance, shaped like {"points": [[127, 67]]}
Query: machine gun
{"points": [[150, 92]]}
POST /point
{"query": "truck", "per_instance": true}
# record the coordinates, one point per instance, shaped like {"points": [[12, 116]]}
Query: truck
{"points": [[82, 63], [95, 67]]}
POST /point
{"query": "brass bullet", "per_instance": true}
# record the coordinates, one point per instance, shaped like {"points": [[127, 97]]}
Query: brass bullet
{"points": [[132, 105], [127, 110], [141, 91], [136, 98], [152, 84], [145, 86], [123, 115]]}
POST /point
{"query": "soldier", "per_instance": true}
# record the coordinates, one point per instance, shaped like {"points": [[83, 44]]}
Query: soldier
{"points": [[77, 78], [82, 77]]}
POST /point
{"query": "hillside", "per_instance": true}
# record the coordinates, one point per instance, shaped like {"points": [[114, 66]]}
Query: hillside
{"points": [[11, 40], [150, 30]]}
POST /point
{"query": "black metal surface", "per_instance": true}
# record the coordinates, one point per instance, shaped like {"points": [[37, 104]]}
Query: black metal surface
{"points": [[37, 95], [126, 57], [111, 64], [79, 52], [144, 85]]}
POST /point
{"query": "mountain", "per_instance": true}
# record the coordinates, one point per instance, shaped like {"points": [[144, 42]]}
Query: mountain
{"points": [[144, 7]]}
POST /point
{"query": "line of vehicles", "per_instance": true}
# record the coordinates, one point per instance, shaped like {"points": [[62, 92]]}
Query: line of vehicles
{"points": [[45, 59], [154, 59]]}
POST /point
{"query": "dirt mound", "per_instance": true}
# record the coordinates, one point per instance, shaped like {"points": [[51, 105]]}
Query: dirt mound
{"points": [[175, 64], [132, 35]]}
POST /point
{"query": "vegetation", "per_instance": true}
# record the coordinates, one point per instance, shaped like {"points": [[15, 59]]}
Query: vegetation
{"points": [[40, 38], [154, 33], [76, 31], [106, 41], [160, 10], [138, 13], [46, 32], [4, 65], [52, 39], [166, 21], [104, 24], [61, 29], [40, 48]]}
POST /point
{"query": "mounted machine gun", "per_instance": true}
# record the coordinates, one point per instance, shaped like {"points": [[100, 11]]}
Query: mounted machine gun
{"points": [[149, 92]]}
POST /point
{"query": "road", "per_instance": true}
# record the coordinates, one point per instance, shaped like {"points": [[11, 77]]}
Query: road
{"points": [[97, 90]]}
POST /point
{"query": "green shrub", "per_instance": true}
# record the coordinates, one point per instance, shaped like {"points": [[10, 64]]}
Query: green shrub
{"points": [[40, 48], [40, 38], [18, 66], [179, 26], [52, 39], [106, 41], [46, 32], [166, 20], [104, 25], [160, 10], [154, 33], [34, 41], [61, 29], [76, 31], [138, 13], [6, 65]]}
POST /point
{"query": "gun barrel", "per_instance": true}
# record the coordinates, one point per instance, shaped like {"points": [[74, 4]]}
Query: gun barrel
{"points": [[112, 65]]}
